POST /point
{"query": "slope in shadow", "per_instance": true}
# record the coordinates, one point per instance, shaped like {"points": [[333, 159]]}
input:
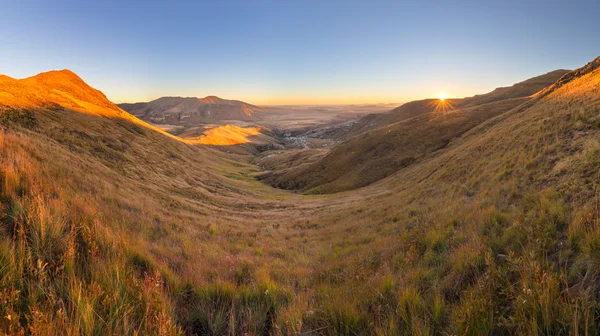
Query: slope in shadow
{"points": [[386, 143]]}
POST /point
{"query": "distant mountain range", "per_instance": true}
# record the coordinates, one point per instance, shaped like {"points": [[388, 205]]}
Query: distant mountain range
{"points": [[189, 110]]}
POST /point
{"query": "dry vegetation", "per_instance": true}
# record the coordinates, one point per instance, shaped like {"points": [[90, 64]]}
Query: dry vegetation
{"points": [[375, 154], [227, 135], [110, 227], [380, 145]]}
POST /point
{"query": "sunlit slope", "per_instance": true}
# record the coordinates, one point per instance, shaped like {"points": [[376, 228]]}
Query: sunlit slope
{"points": [[59, 90], [227, 135], [60, 108], [403, 137], [84, 127], [101, 214], [83, 186], [55, 88]]}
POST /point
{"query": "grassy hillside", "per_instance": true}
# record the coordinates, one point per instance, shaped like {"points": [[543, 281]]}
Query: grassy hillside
{"points": [[419, 107], [402, 137], [108, 225], [111, 227], [376, 154]]}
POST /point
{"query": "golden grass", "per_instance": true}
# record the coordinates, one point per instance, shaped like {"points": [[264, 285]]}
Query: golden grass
{"points": [[225, 136], [378, 153], [112, 228], [383, 144]]}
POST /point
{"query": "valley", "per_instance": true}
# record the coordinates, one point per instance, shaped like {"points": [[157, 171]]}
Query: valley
{"points": [[480, 218]]}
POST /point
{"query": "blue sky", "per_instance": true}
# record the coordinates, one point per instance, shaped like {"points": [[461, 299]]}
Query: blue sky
{"points": [[277, 52]]}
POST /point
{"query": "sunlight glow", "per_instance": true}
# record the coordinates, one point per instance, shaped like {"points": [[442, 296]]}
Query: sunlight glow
{"points": [[442, 104], [226, 136]]}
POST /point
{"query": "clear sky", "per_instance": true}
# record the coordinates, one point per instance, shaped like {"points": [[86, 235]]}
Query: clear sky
{"points": [[297, 52]]}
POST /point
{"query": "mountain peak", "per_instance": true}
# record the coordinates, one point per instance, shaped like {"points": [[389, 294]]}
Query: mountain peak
{"points": [[176, 110], [590, 67], [6, 78], [570, 76], [65, 72], [56, 87], [58, 75], [212, 99]]}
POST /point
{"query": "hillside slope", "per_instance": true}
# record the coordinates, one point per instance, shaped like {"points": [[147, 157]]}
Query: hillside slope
{"points": [[179, 110], [101, 214], [401, 137], [416, 108], [497, 233], [54, 88]]}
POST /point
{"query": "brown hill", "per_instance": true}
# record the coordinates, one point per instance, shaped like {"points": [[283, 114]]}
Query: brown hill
{"points": [[391, 141], [415, 108], [93, 202], [179, 110]]}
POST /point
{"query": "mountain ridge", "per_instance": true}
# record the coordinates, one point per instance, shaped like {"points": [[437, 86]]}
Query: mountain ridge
{"points": [[414, 108], [178, 110], [55, 87], [381, 145]]}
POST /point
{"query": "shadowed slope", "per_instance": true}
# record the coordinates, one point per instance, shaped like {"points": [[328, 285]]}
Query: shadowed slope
{"points": [[179, 110], [500, 227], [415, 108], [401, 137]]}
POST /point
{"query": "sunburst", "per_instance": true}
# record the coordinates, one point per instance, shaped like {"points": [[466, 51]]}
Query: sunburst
{"points": [[442, 104]]}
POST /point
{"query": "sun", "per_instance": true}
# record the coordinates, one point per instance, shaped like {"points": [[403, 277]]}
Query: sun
{"points": [[442, 103]]}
